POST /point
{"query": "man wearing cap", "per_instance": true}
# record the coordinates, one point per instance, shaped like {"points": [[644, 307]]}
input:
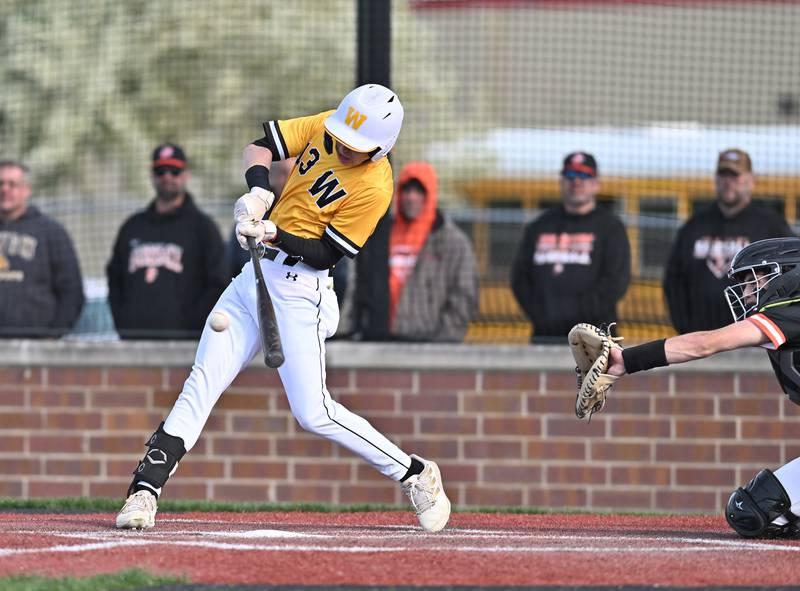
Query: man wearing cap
{"points": [[701, 255], [574, 260], [168, 264]]}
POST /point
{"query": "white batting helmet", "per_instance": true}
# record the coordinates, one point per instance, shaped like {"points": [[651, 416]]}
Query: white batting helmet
{"points": [[367, 120]]}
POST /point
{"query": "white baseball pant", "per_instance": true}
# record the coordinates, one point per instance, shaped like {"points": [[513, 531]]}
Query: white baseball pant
{"points": [[307, 312], [789, 476]]}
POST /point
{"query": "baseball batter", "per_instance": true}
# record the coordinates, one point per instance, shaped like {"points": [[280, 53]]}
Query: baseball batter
{"points": [[339, 188]]}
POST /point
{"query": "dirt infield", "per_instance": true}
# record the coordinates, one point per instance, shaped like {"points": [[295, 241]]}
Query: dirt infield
{"points": [[388, 549]]}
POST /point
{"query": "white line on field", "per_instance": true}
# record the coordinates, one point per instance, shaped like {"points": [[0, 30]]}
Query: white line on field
{"points": [[452, 534], [103, 540], [76, 548], [369, 549]]}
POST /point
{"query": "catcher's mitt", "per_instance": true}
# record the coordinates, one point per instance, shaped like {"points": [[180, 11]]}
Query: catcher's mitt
{"points": [[591, 347]]}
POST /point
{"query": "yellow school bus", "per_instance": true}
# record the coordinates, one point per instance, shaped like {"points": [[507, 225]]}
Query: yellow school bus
{"points": [[651, 203], [643, 314]]}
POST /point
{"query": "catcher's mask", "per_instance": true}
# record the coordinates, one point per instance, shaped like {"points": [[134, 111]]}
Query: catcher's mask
{"points": [[764, 272]]}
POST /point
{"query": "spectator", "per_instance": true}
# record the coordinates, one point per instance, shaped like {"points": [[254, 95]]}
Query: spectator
{"points": [[41, 290], [573, 264], [433, 282], [168, 264], [704, 247], [237, 256]]}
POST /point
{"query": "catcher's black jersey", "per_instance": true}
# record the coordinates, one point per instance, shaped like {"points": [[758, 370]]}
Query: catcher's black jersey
{"points": [[782, 326]]}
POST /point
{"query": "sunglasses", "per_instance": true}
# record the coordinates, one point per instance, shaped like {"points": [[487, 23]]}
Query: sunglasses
{"points": [[162, 170], [575, 174]]}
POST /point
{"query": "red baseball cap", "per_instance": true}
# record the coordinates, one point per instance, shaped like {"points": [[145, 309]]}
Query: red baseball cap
{"points": [[579, 164], [169, 155]]}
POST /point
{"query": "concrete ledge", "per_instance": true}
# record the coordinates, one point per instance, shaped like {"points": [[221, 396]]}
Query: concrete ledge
{"points": [[341, 354]]}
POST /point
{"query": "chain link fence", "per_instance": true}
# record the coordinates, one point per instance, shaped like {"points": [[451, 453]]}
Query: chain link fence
{"points": [[496, 93]]}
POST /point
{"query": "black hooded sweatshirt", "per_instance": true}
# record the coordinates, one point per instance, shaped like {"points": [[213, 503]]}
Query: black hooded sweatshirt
{"points": [[166, 272], [571, 268], [696, 274], [41, 289]]}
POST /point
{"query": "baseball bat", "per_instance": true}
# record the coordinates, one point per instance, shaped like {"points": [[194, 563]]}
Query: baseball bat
{"points": [[268, 326]]}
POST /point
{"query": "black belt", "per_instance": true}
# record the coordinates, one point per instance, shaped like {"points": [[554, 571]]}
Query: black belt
{"points": [[271, 254]]}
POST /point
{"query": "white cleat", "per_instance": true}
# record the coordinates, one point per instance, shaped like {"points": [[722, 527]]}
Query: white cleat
{"points": [[428, 497], [139, 511]]}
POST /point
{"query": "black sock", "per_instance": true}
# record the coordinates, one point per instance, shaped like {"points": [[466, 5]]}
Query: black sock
{"points": [[416, 468], [139, 486]]}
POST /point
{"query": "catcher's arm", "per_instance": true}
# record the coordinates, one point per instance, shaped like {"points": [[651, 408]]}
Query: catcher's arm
{"points": [[600, 360]]}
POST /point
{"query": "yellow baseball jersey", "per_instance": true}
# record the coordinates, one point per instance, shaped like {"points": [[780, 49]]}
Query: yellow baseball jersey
{"points": [[322, 198]]}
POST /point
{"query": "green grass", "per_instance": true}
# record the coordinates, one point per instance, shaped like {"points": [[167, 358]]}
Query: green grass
{"points": [[121, 581], [113, 505]]}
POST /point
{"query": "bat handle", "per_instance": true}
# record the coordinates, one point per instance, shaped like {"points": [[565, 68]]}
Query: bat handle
{"points": [[274, 358]]}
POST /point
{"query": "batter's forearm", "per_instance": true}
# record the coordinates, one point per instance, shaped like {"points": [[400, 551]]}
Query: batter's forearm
{"points": [[315, 253]]}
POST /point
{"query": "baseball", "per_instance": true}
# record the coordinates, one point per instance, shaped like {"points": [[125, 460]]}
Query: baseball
{"points": [[219, 321]]}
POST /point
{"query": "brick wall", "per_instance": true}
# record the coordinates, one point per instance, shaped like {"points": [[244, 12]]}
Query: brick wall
{"points": [[74, 417]]}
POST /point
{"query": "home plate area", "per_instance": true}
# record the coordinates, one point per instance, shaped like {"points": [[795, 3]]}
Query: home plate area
{"points": [[339, 549]]}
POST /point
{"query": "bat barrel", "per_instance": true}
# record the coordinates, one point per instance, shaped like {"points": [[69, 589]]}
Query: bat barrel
{"points": [[268, 326]]}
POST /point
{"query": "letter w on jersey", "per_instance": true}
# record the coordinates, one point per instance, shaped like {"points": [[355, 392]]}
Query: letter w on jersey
{"points": [[354, 119], [327, 188]]}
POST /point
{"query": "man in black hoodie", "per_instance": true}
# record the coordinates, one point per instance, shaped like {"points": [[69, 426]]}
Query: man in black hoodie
{"points": [[705, 246], [574, 261], [41, 290], [168, 264]]}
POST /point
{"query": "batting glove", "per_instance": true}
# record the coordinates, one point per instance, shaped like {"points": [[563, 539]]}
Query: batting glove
{"points": [[261, 230], [253, 204]]}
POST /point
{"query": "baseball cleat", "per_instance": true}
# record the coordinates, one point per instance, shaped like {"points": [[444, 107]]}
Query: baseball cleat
{"points": [[139, 511], [428, 497]]}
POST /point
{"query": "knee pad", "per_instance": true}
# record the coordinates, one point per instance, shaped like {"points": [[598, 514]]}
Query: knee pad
{"points": [[751, 510], [161, 460]]}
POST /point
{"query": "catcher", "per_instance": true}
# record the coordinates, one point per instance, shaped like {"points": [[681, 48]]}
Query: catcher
{"points": [[764, 299]]}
